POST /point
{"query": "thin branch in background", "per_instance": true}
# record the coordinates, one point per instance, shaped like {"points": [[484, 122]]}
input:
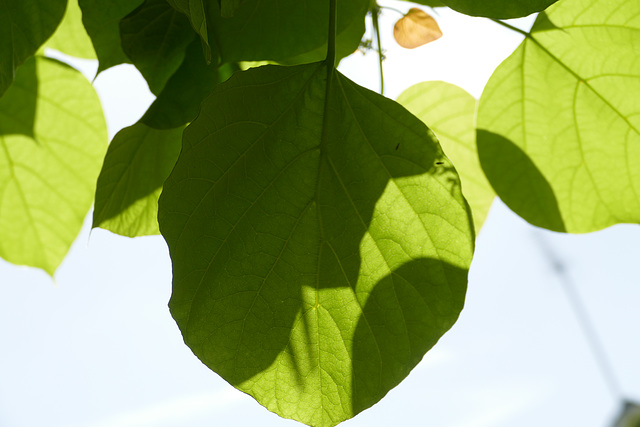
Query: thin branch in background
{"points": [[582, 316]]}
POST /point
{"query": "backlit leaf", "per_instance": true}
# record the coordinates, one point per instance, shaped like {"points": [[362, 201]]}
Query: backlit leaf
{"points": [[47, 172], [24, 26], [155, 37], [101, 19], [138, 161], [559, 120], [450, 112], [71, 37], [318, 247], [500, 9], [416, 29]]}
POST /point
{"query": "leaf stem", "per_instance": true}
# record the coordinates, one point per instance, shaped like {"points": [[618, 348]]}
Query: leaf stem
{"points": [[331, 45], [511, 27], [375, 12]]}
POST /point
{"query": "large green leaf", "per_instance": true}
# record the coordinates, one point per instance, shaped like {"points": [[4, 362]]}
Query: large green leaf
{"points": [[101, 19], [450, 112], [500, 9], [155, 37], [24, 26], [319, 248], [71, 37], [281, 30], [138, 161], [47, 172], [559, 121], [430, 3]]}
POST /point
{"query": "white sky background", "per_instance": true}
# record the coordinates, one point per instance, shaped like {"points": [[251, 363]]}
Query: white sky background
{"points": [[99, 348]]}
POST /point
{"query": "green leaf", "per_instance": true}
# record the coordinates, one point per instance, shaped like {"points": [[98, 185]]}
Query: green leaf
{"points": [[280, 30], [24, 26], [450, 112], [195, 11], [180, 100], [101, 19], [137, 163], [71, 37], [499, 9], [47, 173], [155, 37], [318, 250], [559, 120]]}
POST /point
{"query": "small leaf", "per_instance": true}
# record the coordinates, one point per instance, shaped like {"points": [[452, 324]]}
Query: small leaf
{"points": [[558, 122], [71, 37], [24, 26], [101, 19], [47, 173], [137, 163], [450, 112], [415, 29], [155, 37], [499, 9], [313, 263]]}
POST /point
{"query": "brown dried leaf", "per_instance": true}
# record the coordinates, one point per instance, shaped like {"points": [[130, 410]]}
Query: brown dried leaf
{"points": [[415, 29]]}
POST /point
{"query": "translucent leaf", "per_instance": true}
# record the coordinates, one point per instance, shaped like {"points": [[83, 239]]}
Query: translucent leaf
{"points": [[71, 38], [416, 29], [500, 9], [138, 161], [280, 30], [155, 37], [319, 240], [47, 173], [101, 19], [559, 120], [450, 112], [24, 26]]}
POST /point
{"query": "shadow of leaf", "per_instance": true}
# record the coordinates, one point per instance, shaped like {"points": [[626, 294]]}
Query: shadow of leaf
{"points": [[518, 182]]}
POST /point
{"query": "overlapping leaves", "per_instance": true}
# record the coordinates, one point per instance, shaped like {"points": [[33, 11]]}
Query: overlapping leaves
{"points": [[319, 240], [558, 123]]}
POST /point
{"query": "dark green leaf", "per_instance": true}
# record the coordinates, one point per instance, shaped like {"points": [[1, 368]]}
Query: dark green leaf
{"points": [[155, 37], [280, 30], [559, 120], [24, 26], [137, 163], [180, 100], [318, 249], [101, 19], [195, 11], [499, 9], [450, 112], [430, 3], [47, 172], [71, 37]]}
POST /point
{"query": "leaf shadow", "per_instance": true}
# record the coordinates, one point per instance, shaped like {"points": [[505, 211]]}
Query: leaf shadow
{"points": [[18, 105], [518, 182]]}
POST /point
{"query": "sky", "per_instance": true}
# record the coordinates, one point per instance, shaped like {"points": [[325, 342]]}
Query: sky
{"points": [[97, 347]]}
